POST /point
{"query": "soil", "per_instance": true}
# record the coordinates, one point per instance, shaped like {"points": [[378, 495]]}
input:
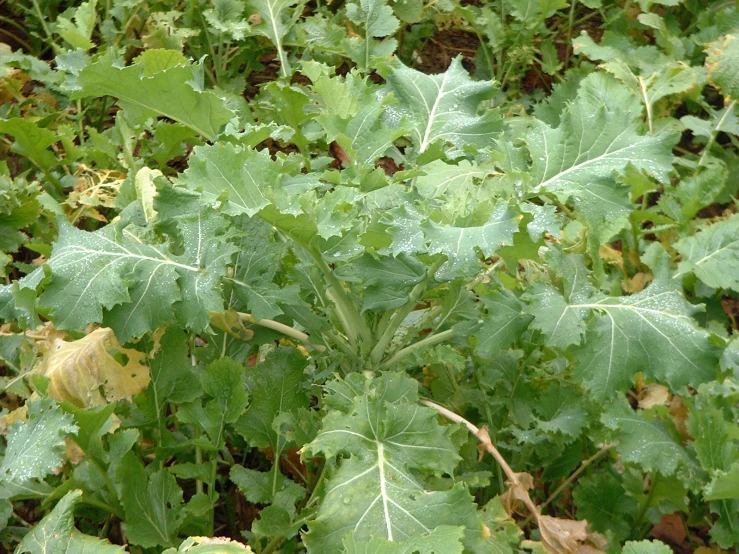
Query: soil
{"points": [[440, 49]]}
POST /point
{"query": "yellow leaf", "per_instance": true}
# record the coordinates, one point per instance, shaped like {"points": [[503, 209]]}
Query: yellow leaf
{"points": [[85, 373]]}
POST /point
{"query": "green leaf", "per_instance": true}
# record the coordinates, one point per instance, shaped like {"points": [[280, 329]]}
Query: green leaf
{"points": [[504, 323], [602, 500], [724, 485], [646, 547], [244, 174], [412, 233], [261, 487], [277, 387], [113, 276], [78, 32], [205, 545], [442, 180], [444, 539], [173, 379], [223, 384], [595, 139], [277, 18], [376, 18], [56, 533], [227, 17], [385, 438], [152, 504], [651, 331], [646, 438], [712, 254], [30, 140], [147, 89], [723, 65], [35, 447], [443, 107]]}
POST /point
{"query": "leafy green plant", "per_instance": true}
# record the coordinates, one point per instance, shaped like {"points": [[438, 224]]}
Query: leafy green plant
{"points": [[366, 280]]}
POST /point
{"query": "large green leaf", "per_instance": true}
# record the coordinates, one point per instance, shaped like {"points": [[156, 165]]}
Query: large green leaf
{"points": [[651, 331], [276, 18], [646, 438], [596, 138], [412, 232], [713, 254], [443, 107], [444, 539], [723, 65], [377, 20], [224, 401], [385, 438], [243, 174], [116, 277], [30, 140], [159, 84]]}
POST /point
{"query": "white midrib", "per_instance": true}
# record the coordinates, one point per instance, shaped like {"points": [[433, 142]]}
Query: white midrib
{"points": [[432, 115], [607, 154], [712, 254], [278, 40], [383, 488]]}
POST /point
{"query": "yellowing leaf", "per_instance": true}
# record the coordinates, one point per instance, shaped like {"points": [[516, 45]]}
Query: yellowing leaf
{"points": [[85, 373]]}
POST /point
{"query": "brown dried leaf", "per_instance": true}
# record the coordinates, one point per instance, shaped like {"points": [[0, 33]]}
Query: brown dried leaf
{"points": [[567, 536], [85, 373], [514, 496], [653, 395]]}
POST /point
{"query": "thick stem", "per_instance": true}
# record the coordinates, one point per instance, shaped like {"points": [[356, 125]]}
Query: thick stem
{"points": [[425, 343], [345, 308], [647, 104], [282, 328], [401, 313]]}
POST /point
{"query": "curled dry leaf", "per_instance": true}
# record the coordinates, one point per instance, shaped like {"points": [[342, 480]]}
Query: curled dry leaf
{"points": [[567, 536], [85, 373], [516, 495]]}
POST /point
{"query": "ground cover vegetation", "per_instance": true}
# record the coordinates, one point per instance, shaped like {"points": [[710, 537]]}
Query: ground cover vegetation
{"points": [[370, 276]]}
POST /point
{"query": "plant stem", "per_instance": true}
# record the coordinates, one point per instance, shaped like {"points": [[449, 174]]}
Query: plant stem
{"points": [[647, 104], [273, 545], [654, 478], [567, 482], [430, 340], [198, 449], [103, 506], [570, 22], [282, 328], [484, 437], [42, 20], [401, 313], [712, 140], [354, 324]]}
